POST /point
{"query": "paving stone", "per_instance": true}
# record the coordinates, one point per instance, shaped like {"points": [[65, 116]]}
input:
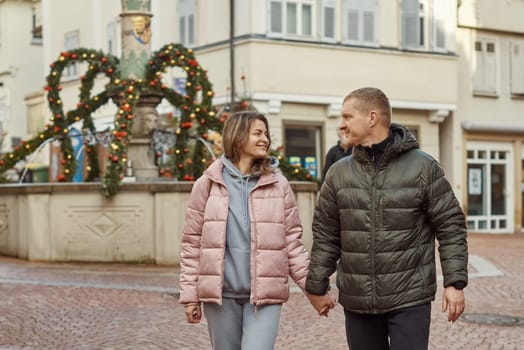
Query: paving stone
{"points": [[121, 306]]}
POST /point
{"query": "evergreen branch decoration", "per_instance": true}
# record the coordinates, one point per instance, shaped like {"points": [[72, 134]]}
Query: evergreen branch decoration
{"points": [[198, 117], [197, 114]]}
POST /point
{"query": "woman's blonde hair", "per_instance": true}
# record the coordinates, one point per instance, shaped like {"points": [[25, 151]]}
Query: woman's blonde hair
{"points": [[235, 135]]}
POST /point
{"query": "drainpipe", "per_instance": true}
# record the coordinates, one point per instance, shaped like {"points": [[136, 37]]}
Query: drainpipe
{"points": [[232, 47]]}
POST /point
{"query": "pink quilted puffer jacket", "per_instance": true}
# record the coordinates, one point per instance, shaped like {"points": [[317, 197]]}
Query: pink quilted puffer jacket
{"points": [[277, 252]]}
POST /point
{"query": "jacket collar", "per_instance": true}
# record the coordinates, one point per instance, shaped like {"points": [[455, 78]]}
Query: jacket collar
{"points": [[214, 172], [402, 141]]}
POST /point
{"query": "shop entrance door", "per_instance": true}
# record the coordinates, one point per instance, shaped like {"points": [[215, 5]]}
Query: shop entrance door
{"points": [[489, 180]]}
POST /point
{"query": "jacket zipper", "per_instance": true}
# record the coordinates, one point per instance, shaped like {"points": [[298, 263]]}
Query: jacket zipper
{"points": [[254, 237], [373, 228], [252, 258], [376, 215]]}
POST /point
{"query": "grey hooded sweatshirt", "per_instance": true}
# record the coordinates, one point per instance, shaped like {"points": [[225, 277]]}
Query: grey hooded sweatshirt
{"points": [[237, 280]]}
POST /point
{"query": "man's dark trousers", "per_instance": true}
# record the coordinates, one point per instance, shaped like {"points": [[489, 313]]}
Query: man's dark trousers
{"points": [[403, 329]]}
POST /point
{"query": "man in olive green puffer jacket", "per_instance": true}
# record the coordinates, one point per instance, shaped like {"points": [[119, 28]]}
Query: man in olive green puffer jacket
{"points": [[376, 220]]}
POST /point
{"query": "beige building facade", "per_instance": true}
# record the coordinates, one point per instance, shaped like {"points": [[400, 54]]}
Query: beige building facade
{"points": [[482, 145], [453, 70], [21, 68]]}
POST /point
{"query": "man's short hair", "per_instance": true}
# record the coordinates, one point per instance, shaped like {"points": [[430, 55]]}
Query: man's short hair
{"points": [[368, 99]]}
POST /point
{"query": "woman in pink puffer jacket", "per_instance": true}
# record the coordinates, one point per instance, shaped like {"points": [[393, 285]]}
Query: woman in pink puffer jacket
{"points": [[242, 241]]}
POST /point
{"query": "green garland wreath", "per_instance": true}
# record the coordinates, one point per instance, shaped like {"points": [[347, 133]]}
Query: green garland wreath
{"points": [[197, 116]]}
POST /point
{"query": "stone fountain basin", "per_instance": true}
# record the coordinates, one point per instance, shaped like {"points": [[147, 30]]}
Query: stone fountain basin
{"points": [[75, 222]]}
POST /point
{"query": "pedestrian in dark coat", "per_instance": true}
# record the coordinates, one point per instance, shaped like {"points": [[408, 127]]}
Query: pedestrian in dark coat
{"points": [[376, 221], [340, 150]]}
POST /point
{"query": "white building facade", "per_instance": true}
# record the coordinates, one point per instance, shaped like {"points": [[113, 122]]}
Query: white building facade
{"points": [[482, 145], [21, 68]]}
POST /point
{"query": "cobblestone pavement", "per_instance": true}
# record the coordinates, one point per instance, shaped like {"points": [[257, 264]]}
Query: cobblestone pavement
{"points": [[120, 306]]}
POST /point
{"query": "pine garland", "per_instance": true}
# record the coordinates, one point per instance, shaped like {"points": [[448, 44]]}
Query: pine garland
{"points": [[198, 117]]}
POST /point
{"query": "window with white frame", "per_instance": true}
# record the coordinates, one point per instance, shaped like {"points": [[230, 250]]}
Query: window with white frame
{"points": [[36, 29], [71, 42], [112, 38], [517, 67], [485, 67], [440, 22], [187, 22], [329, 22], [414, 19], [291, 18], [302, 146], [425, 24], [360, 22]]}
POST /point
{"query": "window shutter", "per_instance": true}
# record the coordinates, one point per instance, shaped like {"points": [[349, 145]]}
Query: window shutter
{"points": [[328, 18], [187, 21], [307, 19], [478, 74], [276, 17], [111, 38], [491, 67], [369, 26], [440, 8], [182, 30], [291, 18], [361, 21], [517, 67], [352, 25], [71, 42], [485, 74], [410, 24], [369, 22], [191, 29], [191, 22]]}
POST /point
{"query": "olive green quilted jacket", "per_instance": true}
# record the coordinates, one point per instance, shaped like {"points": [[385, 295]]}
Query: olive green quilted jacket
{"points": [[377, 225]]}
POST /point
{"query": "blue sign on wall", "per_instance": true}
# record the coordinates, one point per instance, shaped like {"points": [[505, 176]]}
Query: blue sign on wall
{"points": [[77, 142]]}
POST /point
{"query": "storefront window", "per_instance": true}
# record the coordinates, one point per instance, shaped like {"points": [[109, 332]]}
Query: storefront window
{"points": [[302, 147]]}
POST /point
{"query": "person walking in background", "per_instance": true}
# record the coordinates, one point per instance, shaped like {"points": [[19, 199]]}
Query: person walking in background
{"points": [[242, 241], [376, 220], [340, 150]]}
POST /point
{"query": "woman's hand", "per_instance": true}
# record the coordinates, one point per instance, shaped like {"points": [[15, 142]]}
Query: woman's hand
{"points": [[322, 303], [193, 312]]}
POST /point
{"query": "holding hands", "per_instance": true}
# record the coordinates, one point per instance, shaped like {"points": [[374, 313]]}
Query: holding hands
{"points": [[322, 303]]}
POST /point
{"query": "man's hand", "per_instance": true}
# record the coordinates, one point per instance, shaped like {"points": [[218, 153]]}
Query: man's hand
{"points": [[321, 303], [193, 313], [453, 299]]}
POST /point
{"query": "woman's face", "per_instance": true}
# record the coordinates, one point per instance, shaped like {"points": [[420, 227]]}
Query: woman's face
{"points": [[257, 144]]}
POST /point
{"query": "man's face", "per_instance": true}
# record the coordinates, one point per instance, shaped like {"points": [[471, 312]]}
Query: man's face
{"points": [[354, 124]]}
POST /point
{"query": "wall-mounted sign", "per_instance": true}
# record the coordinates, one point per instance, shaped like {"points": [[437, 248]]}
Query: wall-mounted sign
{"points": [[474, 181]]}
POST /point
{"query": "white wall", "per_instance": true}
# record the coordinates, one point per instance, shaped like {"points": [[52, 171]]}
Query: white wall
{"points": [[20, 63]]}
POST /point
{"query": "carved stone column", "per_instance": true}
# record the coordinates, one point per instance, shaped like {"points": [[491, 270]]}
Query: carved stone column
{"points": [[136, 50]]}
